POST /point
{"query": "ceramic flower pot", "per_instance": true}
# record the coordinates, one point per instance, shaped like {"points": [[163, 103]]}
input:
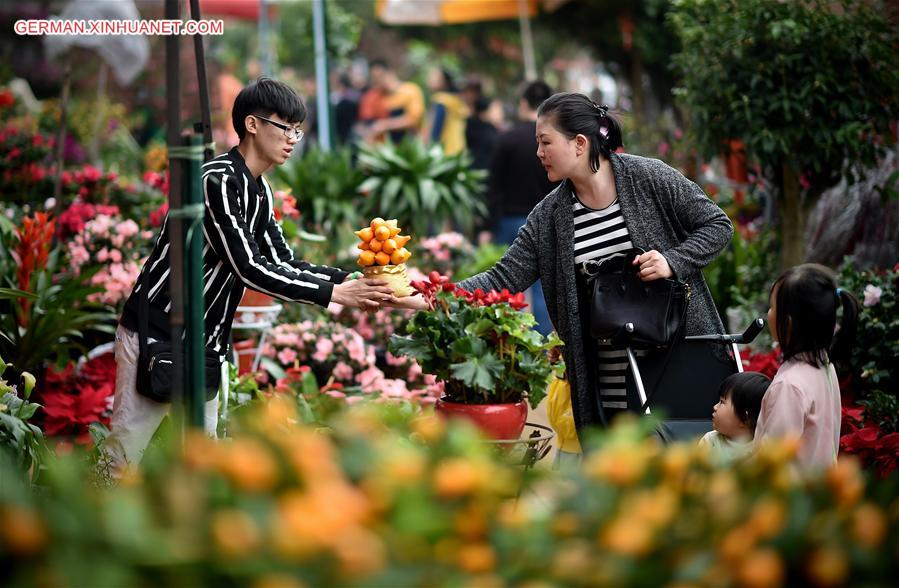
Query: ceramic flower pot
{"points": [[497, 421]]}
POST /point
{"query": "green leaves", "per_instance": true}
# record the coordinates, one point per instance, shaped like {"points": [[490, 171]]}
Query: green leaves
{"points": [[806, 83], [420, 186], [21, 440], [327, 188], [479, 371]]}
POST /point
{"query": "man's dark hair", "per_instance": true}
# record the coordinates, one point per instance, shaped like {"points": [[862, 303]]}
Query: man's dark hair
{"points": [[378, 63], [266, 97], [534, 93], [574, 114], [481, 104], [806, 303], [746, 391]]}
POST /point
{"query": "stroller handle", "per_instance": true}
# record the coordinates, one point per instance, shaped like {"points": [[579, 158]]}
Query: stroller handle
{"points": [[747, 336]]}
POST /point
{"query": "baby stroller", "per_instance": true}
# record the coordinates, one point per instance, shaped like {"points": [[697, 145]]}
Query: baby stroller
{"points": [[683, 382]]}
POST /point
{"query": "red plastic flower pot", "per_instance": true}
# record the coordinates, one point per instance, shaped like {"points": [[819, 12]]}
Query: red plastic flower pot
{"points": [[497, 421], [254, 298]]}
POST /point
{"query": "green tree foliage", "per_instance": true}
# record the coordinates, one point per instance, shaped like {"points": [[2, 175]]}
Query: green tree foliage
{"points": [[603, 25], [810, 87]]}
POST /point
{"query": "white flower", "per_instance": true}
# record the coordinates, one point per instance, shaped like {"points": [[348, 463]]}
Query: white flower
{"points": [[872, 294]]}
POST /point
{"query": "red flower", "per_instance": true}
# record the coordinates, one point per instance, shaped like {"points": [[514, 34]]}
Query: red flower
{"points": [[853, 418], [517, 302], [157, 217], [31, 253], [7, 98], [71, 402], [765, 363], [295, 374]]}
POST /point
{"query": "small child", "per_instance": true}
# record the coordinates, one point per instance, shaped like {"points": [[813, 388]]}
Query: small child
{"points": [[804, 398], [735, 416]]}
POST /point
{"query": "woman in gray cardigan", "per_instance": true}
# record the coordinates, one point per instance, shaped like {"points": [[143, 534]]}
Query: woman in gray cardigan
{"points": [[663, 213]]}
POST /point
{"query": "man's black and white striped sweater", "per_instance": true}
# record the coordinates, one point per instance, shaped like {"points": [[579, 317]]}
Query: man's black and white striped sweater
{"points": [[243, 248]]}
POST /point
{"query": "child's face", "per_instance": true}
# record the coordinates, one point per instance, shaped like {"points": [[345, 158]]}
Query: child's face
{"points": [[725, 420]]}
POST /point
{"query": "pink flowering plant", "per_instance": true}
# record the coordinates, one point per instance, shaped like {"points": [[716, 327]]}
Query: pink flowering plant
{"points": [[100, 237], [342, 361], [877, 344], [380, 326], [480, 344], [444, 252]]}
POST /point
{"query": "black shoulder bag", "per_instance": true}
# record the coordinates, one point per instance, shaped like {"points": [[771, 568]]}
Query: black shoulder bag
{"points": [[657, 310], [155, 369]]}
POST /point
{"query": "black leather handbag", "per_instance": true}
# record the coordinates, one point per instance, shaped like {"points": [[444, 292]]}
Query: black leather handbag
{"points": [[626, 310], [155, 366]]}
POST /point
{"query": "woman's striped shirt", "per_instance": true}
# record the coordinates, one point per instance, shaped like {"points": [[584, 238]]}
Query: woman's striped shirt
{"points": [[598, 234]]}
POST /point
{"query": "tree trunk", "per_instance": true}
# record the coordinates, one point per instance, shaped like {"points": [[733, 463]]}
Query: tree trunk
{"points": [[792, 216]]}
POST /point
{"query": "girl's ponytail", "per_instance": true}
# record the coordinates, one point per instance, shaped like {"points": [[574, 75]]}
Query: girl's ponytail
{"points": [[841, 349]]}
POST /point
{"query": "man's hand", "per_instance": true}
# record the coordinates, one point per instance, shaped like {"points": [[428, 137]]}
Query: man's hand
{"points": [[414, 302], [653, 266], [366, 293]]}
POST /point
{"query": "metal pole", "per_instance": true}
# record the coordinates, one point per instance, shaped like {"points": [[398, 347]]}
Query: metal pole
{"points": [[323, 101], [265, 55], [175, 222], [527, 41], [193, 304], [205, 113], [60, 145]]}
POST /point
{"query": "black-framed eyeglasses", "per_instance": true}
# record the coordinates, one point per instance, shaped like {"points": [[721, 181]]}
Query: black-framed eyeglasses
{"points": [[289, 131]]}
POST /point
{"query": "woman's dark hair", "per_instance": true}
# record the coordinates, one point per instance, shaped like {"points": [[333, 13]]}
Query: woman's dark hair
{"points": [[746, 391], [266, 97], [574, 114], [806, 299]]}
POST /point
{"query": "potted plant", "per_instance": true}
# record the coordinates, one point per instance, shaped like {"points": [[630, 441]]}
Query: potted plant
{"points": [[421, 186], [484, 349]]}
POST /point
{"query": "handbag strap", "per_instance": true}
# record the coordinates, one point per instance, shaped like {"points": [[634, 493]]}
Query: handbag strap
{"points": [[143, 312]]}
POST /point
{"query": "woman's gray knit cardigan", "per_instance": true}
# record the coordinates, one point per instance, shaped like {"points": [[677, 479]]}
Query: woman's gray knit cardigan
{"points": [[662, 209]]}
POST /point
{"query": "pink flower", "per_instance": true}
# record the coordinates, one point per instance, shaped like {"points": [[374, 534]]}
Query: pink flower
{"points": [[323, 349], [286, 356], [356, 348], [335, 393], [127, 228], [342, 371], [394, 360], [872, 295], [369, 377]]}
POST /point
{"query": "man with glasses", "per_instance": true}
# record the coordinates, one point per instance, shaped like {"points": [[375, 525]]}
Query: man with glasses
{"points": [[244, 248]]}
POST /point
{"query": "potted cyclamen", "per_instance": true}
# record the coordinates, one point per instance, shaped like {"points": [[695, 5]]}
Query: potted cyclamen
{"points": [[484, 349]]}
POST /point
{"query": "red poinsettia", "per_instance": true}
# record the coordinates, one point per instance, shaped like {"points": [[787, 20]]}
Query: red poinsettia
{"points": [[73, 400], [866, 440], [765, 363]]}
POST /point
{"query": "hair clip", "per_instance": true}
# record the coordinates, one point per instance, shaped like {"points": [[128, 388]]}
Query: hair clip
{"points": [[604, 131], [601, 108]]}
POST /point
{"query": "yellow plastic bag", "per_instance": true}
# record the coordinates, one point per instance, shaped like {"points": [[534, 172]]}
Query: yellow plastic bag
{"points": [[561, 419]]}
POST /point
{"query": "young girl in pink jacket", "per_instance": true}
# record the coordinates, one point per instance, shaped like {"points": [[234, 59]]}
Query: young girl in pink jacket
{"points": [[803, 400]]}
